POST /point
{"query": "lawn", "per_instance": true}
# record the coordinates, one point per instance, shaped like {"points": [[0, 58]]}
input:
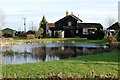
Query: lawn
{"points": [[0, 71], [54, 40], [89, 65]]}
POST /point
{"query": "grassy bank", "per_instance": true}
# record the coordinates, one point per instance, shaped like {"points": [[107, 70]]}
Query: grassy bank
{"points": [[54, 40], [90, 65], [0, 71]]}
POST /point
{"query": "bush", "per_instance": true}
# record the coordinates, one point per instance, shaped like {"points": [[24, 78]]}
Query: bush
{"points": [[47, 35], [31, 32], [99, 34], [91, 36], [1, 34], [22, 34], [58, 34], [30, 36], [118, 36]]}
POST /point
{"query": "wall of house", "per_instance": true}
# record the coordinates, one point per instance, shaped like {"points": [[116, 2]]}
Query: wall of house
{"points": [[54, 33]]}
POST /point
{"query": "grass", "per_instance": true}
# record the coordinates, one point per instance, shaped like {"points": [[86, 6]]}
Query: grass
{"points": [[90, 65], [0, 71], [80, 40], [0, 66], [19, 38]]}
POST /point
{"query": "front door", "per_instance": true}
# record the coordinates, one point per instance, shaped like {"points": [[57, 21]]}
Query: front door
{"points": [[69, 33]]}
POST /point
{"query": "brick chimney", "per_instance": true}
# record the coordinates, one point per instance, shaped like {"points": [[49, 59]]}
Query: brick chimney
{"points": [[71, 13], [66, 13]]}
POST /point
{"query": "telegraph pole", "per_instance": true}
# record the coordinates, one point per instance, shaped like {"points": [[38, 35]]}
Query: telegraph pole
{"points": [[24, 24], [32, 24]]}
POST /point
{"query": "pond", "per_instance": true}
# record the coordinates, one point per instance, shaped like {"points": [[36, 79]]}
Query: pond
{"points": [[29, 53]]}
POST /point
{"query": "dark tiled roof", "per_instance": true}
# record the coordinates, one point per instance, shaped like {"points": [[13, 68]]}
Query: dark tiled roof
{"points": [[51, 25], [115, 26], [8, 29], [90, 25], [76, 18], [70, 16]]}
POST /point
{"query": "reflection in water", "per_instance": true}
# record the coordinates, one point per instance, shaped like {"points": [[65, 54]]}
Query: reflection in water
{"points": [[45, 52], [39, 53]]}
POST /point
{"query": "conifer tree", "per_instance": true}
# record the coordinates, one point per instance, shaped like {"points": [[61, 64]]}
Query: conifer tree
{"points": [[44, 26]]}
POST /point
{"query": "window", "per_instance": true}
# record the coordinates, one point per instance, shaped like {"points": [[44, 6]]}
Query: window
{"points": [[69, 23], [91, 30], [76, 31], [85, 31]]}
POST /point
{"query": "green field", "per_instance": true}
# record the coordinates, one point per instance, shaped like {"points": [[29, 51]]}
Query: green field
{"points": [[90, 65]]}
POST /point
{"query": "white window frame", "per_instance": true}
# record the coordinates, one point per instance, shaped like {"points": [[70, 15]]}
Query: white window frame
{"points": [[85, 30], [77, 31], [69, 23]]}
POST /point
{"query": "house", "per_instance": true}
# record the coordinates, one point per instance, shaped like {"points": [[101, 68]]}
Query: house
{"points": [[85, 29], [113, 29], [7, 32], [71, 27], [115, 26]]}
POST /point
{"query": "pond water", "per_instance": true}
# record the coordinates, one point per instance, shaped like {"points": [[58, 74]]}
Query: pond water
{"points": [[29, 53]]}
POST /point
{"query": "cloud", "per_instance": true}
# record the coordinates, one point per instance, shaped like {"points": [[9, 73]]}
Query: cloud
{"points": [[89, 10], [119, 12]]}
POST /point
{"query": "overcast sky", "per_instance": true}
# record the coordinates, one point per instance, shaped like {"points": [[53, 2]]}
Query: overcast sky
{"points": [[92, 11]]}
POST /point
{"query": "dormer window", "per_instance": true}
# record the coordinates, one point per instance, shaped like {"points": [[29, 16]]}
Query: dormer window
{"points": [[69, 23]]}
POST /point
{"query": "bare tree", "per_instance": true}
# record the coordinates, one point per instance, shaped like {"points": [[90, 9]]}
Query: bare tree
{"points": [[33, 26], [110, 21], [1, 21]]}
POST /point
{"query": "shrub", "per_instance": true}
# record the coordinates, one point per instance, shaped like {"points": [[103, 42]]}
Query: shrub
{"points": [[37, 34], [58, 34], [22, 34], [30, 36], [1, 34], [31, 32], [118, 36], [47, 35], [99, 34], [111, 40], [91, 36]]}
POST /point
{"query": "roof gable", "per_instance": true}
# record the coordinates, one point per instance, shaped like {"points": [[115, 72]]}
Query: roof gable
{"points": [[115, 26], [69, 16], [8, 29]]}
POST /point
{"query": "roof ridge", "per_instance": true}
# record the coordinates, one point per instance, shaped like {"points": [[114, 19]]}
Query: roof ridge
{"points": [[72, 15], [75, 17]]}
